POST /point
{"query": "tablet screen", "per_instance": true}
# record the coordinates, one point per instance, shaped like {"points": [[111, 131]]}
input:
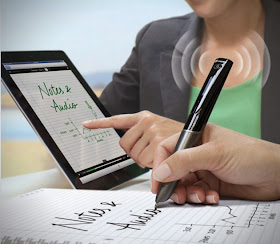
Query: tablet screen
{"points": [[62, 104]]}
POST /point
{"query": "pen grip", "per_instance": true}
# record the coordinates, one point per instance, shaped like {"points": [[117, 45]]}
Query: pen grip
{"points": [[187, 139]]}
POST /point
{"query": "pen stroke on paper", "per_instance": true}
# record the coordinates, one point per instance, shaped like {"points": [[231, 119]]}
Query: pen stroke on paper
{"points": [[86, 218], [139, 220], [82, 220], [52, 216]]}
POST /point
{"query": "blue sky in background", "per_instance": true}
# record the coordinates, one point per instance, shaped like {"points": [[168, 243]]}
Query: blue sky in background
{"points": [[97, 35]]}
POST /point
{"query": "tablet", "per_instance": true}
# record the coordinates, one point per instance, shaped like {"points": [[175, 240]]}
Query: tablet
{"points": [[55, 99]]}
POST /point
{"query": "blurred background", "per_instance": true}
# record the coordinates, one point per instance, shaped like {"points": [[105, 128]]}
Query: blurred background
{"points": [[96, 35]]}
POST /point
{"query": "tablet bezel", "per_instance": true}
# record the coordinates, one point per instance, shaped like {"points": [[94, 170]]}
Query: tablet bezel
{"points": [[105, 182]]}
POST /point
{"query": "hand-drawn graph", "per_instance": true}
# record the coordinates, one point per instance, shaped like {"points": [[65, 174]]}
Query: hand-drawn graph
{"points": [[240, 216], [225, 222], [84, 133]]}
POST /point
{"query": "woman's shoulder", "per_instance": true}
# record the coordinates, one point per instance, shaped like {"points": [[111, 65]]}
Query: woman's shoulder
{"points": [[173, 23], [165, 28], [175, 19]]}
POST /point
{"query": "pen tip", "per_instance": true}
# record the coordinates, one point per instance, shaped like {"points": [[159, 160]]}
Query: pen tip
{"points": [[156, 205]]}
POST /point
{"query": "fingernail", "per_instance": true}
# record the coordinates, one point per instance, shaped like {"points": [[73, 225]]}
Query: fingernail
{"points": [[162, 172], [86, 122], [174, 197], [194, 198], [210, 199], [143, 167]]}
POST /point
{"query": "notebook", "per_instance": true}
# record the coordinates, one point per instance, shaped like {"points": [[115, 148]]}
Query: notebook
{"points": [[82, 216]]}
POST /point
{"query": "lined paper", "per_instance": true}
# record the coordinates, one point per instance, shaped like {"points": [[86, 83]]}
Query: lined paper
{"points": [[83, 216]]}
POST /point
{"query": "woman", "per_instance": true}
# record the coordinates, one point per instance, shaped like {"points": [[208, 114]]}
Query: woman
{"points": [[146, 82]]}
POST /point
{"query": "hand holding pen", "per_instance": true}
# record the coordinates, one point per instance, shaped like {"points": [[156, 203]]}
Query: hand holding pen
{"points": [[225, 164], [196, 121]]}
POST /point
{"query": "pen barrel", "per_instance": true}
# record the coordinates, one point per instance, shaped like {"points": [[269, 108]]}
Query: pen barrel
{"points": [[208, 95], [199, 116], [187, 139]]}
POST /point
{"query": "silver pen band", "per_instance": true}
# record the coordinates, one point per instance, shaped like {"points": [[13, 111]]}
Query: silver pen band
{"points": [[187, 139]]}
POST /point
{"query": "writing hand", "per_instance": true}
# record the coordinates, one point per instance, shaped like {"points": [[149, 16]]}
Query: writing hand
{"points": [[226, 163], [144, 132]]}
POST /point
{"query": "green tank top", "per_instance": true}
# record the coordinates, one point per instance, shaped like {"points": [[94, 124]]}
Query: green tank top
{"points": [[237, 108]]}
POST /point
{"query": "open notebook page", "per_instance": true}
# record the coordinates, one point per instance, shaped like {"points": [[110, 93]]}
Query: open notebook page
{"points": [[80, 216]]}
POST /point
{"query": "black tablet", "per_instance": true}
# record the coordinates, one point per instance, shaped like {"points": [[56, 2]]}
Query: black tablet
{"points": [[55, 99]]}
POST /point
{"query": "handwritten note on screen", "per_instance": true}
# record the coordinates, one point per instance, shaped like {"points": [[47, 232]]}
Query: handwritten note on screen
{"points": [[61, 103]]}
